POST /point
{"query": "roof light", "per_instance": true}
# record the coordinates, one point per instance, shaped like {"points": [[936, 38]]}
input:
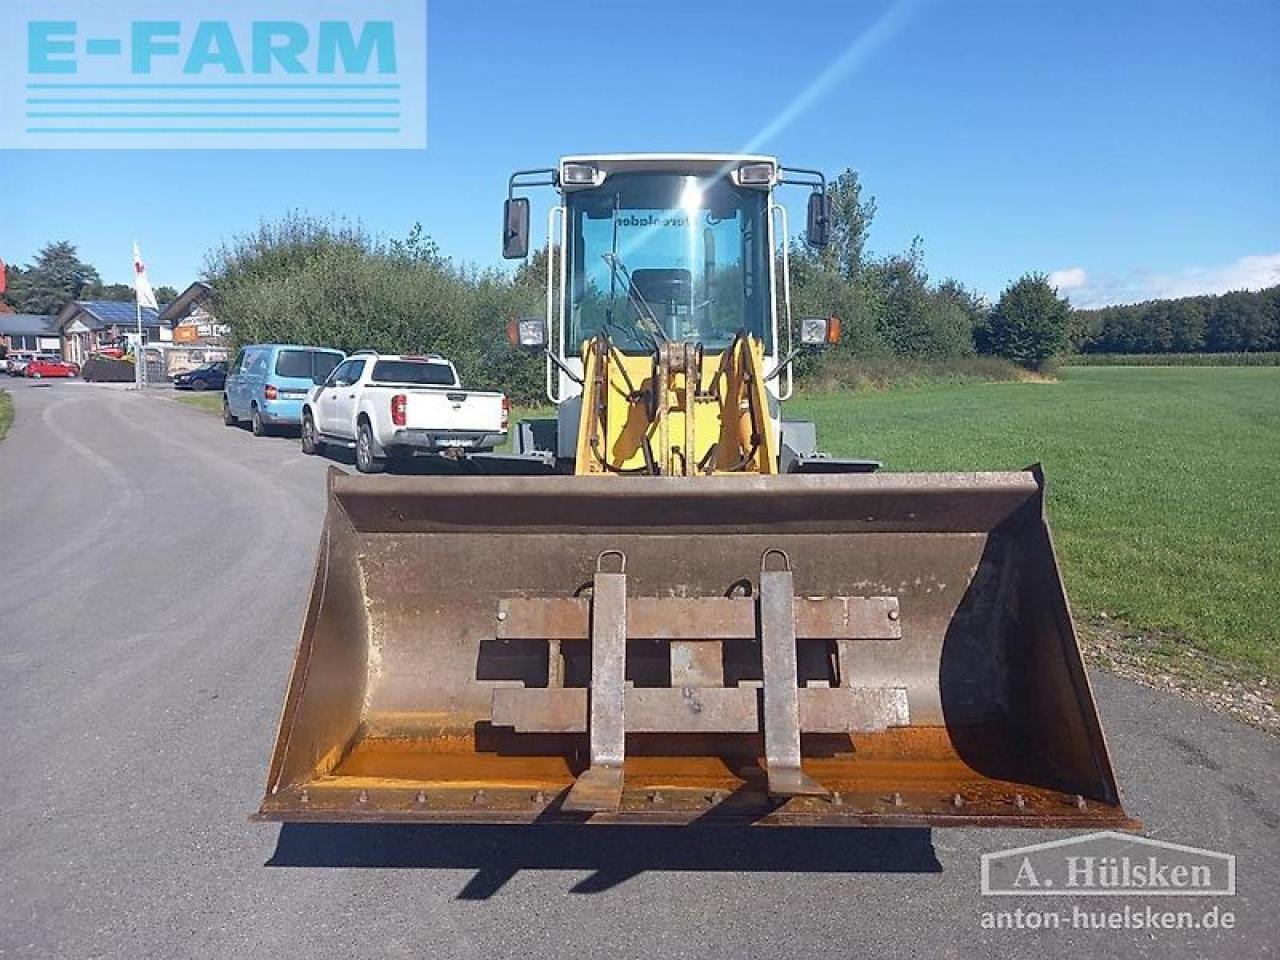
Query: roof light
{"points": [[578, 175], [756, 174]]}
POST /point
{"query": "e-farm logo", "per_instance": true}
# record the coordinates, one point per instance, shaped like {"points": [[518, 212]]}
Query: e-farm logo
{"points": [[213, 74]]}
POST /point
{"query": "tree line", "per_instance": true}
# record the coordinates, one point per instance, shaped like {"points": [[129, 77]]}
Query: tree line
{"points": [[308, 280], [1238, 322], [323, 281]]}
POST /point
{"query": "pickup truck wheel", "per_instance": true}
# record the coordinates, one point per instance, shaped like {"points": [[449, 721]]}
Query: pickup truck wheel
{"points": [[311, 442], [366, 462], [227, 418]]}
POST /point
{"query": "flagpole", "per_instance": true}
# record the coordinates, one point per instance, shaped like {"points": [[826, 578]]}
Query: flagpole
{"points": [[137, 354]]}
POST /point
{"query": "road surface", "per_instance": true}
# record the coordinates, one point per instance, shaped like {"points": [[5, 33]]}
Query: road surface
{"points": [[154, 566]]}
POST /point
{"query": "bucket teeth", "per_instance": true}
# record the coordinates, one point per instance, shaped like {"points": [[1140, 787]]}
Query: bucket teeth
{"points": [[599, 790], [781, 694]]}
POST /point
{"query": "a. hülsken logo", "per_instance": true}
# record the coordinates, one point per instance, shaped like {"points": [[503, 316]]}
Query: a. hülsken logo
{"points": [[1108, 864], [208, 74]]}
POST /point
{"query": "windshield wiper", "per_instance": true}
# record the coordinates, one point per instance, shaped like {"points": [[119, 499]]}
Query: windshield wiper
{"points": [[643, 308]]}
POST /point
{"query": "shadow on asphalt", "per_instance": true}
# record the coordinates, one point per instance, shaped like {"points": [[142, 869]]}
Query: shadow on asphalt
{"points": [[614, 854]]}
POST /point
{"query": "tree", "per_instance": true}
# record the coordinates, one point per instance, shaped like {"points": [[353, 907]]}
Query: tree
{"points": [[1239, 321], [1029, 323], [120, 292], [1186, 324], [166, 295], [57, 277], [13, 277], [851, 218]]}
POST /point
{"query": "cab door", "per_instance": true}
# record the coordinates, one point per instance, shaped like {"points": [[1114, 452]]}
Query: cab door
{"points": [[344, 401], [234, 386], [326, 403]]}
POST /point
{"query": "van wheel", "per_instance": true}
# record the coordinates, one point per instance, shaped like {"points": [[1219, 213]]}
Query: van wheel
{"points": [[366, 462], [311, 442], [259, 428], [227, 418]]}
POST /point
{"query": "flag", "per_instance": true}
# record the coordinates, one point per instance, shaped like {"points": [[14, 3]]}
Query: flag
{"points": [[146, 296]]}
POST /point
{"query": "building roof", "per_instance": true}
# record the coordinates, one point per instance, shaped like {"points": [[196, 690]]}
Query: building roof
{"points": [[100, 314], [26, 324], [190, 298]]}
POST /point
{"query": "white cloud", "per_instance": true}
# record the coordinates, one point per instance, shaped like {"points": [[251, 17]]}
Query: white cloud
{"points": [[1088, 290], [1072, 278]]}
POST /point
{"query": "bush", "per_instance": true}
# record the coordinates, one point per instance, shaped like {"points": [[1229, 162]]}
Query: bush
{"points": [[328, 283], [1029, 324]]}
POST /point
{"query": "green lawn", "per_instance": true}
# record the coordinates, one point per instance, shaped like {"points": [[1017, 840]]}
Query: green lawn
{"points": [[1164, 485], [212, 402], [6, 413]]}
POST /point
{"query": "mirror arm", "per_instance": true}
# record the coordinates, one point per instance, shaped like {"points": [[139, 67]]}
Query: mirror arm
{"points": [[805, 178], [783, 363], [564, 367], [520, 179]]}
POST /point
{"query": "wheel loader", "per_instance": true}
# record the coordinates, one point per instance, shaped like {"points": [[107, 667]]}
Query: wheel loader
{"points": [[691, 616]]}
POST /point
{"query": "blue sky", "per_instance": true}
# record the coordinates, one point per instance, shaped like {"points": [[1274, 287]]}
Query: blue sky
{"points": [[1131, 149]]}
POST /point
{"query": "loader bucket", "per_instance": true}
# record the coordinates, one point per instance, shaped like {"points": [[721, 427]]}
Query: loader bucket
{"points": [[847, 650]]}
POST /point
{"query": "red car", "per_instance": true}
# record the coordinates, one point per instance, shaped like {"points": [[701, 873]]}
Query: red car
{"points": [[50, 368]]}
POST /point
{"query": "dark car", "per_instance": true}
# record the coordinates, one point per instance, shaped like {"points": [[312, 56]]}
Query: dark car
{"points": [[212, 376]]}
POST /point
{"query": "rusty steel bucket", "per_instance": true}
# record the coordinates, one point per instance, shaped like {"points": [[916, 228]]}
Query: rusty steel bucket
{"points": [[882, 649]]}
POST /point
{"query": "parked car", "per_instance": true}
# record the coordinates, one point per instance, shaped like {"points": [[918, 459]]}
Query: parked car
{"points": [[268, 382], [390, 406], [15, 363], [212, 376], [42, 367]]}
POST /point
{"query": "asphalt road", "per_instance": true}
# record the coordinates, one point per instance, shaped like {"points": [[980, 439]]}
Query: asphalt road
{"points": [[153, 570]]}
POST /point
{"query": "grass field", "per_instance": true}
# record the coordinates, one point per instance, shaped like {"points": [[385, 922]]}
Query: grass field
{"points": [[6, 413], [1164, 486], [210, 401]]}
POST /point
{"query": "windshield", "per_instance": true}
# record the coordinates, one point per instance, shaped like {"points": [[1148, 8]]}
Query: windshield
{"points": [[655, 256], [417, 372]]}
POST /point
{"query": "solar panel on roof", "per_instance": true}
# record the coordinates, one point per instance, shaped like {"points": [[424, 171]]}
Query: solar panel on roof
{"points": [[118, 312]]}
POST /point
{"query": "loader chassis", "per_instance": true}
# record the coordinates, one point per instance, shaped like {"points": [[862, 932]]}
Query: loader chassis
{"points": [[681, 632]]}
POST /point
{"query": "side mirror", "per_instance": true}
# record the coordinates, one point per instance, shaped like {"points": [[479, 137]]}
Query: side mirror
{"points": [[528, 333], [515, 228], [818, 227], [819, 331]]}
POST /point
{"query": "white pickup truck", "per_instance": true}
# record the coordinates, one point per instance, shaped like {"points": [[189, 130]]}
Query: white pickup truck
{"points": [[389, 407]]}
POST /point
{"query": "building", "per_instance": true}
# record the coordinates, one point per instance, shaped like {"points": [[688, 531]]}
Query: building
{"points": [[191, 316], [87, 326], [29, 332]]}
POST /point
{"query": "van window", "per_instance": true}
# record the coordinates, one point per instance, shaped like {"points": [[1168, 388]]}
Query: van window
{"points": [[313, 365], [235, 367]]}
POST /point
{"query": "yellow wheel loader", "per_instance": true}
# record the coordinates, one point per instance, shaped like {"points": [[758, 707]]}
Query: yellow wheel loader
{"points": [[692, 616]]}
